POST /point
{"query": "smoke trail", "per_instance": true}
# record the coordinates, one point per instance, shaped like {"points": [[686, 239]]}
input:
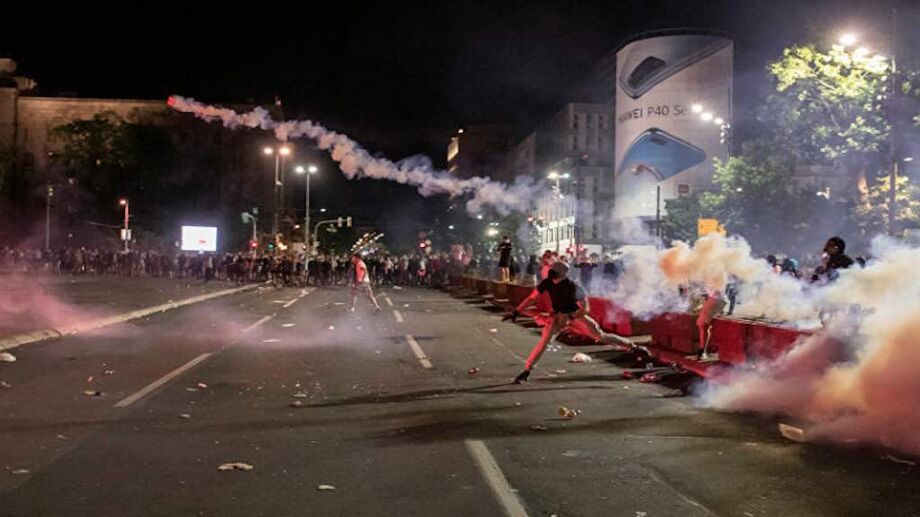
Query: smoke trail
{"points": [[356, 162]]}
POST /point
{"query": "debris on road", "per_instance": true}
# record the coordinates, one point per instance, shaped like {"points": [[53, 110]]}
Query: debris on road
{"points": [[494, 331], [288, 325], [473, 371], [19, 472], [405, 305], [397, 288], [331, 327], [300, 395], [6, 357], [627, 375], [539, 428], [185, 416], [89, 379], [560, 370], [649, 377], [202, 386], [796, 434], [899, 461], [580, 357], [62, 437], [296, 403], [92, 393], [224, 467], [568, 413], [325, 487], [108, 372], [272, 340], [4, 384]]}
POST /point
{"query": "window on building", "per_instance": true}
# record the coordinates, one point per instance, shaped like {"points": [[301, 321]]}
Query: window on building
{"points": [[575, 142], [575, 121], [601, 122]]}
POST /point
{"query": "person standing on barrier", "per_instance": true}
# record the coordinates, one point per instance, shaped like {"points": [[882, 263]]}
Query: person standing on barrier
{"points": [[569, 312], [504, 259]]}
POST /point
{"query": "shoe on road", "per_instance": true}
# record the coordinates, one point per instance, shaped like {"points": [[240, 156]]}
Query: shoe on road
{"points": [[522, 377]]}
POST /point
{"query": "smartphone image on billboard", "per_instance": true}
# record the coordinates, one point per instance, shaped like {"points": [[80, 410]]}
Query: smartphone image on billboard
{"points": [[660, 154], [644, 69]]}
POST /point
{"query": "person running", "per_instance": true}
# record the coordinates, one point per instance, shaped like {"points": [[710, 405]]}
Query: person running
{"points": [[569, 311], [361, 282]]}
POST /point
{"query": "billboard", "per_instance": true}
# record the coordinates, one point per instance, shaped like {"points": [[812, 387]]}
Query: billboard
{"points": [[673, 105], [199, 238]]}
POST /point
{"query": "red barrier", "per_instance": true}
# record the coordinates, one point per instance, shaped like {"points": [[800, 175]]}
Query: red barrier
{"points": [[676, 331]]}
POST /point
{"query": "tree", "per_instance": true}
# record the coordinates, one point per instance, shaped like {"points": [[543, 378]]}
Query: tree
{"points": [[829, 106], [679, 221], [872, 217]]}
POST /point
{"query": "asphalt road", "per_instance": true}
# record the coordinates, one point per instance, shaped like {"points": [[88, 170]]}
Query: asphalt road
{"points": [[392, 418]]}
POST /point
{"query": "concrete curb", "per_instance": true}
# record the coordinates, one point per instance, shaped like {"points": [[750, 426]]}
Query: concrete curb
{"points": [[12, 342]]}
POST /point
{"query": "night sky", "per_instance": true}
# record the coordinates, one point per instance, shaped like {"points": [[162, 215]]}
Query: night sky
{"points": [[398, 78]]}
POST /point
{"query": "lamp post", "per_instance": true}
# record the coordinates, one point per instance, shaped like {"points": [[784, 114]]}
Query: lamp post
{"points": [[280, 153], [124, 202], [49, 192], [306, 171]]}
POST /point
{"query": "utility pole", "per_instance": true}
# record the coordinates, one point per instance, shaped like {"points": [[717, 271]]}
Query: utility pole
{"points": [[894, 123], [49, 191]]}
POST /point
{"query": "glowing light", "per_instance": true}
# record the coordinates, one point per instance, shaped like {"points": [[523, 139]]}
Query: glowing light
{"points": [[861, 52], [284, 151], [268, 151], [492, 232], [123, 202], [299, 169], [553, 175], [696, 108], [479, 217], [450, 227], [719, 120], [706, 116], [848, 39], [566, 176], [312, 169]]}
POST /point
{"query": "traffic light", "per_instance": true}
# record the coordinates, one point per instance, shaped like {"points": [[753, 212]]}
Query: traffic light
{"points": [[253, 244], [271, 245]]}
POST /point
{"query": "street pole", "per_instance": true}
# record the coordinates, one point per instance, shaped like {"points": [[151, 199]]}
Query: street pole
{"points": [[306, 230], [127, 229], [658, 212], [893, 121], [48, 193], [277, 184]]}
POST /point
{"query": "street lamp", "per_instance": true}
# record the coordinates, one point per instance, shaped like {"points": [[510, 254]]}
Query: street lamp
{"points": [[848, 39], [308, 171], [124, 202], [280, 154]]}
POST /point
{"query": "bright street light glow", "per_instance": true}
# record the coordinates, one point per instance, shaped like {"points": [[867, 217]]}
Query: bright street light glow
{"points": [[706, 116], [566, 176], [450, 227], [492, 232], [848, 39], [909, 159], [323, 210], [312, 169], [696, 108], [479, 217], [268, 150], [122, 202], [285, 151], [553, 175], [719, 120], [299, 169]]}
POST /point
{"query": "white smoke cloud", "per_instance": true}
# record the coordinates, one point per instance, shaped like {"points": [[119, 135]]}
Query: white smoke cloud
{"points": [[355, 162]]}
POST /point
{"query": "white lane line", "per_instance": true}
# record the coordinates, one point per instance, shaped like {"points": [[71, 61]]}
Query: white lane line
{"points": [[125, 402], [389, 301], [422, 358], [398, 316], [303, 292], [495, 478], [258, 323]]}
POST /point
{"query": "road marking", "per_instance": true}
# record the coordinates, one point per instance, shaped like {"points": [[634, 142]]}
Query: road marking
{"points": [[259, 323], [303, 292], [495, 478], [398, 315], [161, 381], [422, 358], [388, 300]]}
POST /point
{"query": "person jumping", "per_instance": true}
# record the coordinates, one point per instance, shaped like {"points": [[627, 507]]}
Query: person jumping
{"points": [[361, 282], [570, 311]]}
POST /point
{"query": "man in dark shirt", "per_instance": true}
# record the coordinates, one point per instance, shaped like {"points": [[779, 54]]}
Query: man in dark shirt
{"points": [[570, 311], [504, 259]]}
